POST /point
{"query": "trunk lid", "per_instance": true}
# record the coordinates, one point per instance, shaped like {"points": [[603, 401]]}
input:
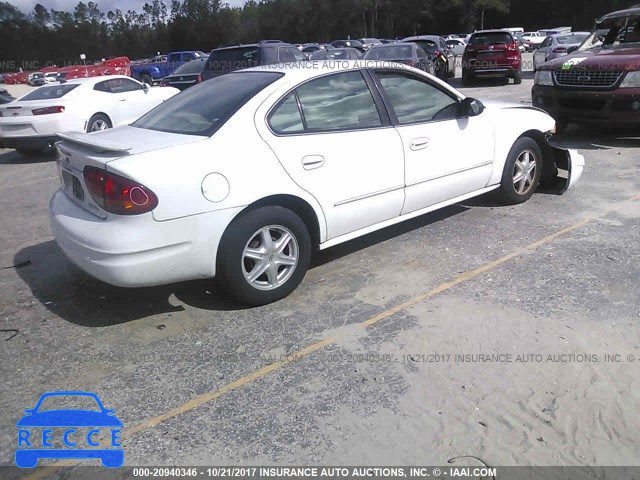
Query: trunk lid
{"points": [[79, 150]]}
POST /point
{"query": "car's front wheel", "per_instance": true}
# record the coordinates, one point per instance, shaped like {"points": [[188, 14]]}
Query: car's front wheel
{"points": [[521, 173], [263, 255]]}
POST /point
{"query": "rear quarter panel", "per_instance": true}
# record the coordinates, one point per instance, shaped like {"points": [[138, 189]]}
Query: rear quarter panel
{"points": [[236, 151]]}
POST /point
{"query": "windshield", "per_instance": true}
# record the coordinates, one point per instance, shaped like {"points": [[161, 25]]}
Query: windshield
{"points": [[69, 402], [394, 52], [203, 109], [47, 93], [615, 33]]}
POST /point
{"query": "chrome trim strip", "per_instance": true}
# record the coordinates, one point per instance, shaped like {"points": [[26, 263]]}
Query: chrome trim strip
{"points": [[368, 195], [449, 174]]}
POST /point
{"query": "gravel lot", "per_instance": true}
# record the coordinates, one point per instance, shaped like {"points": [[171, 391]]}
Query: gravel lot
{"points": [[373, 335]]}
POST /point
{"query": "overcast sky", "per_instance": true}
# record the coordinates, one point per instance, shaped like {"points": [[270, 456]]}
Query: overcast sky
{"points": [[105, 5]]}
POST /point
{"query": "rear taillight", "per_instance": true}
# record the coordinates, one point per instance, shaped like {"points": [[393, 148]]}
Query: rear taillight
{"points": [[410, 63], [48, 110], [117, 194], [438, 53], [512, 47]]}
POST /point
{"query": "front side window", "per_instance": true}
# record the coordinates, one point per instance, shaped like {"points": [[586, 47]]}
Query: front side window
{"points": [[416, 101], [341, 101], [203, 109]]}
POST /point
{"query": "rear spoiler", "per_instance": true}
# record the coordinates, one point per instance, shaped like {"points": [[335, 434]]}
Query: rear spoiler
{"points": [[93, 142]]}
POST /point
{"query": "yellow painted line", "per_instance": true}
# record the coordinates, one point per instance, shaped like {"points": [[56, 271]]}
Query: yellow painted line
{"points": [[241, 382]]}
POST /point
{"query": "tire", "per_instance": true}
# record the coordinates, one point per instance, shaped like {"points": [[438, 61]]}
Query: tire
{"points": [[235, 263], [146, 79], [467, 78], [512, 192], [517, 77], [561, 125], [98, 122]]}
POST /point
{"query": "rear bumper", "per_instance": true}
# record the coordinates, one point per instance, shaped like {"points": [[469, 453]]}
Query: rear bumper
{"points": [[138, 251], [585, 106], [490, 69]]}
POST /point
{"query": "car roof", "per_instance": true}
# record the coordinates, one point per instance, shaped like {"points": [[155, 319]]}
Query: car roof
{"points": [[493, 30], [265, 44], [620, 14], [317, 68]]}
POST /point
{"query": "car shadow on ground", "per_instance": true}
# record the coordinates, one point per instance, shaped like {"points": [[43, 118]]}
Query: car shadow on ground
{"points": [[592, 137], [12, 157], [74, 296]]}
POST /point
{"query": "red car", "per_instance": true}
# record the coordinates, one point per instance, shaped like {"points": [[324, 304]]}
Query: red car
{"points": [[491, 53], [600, 81]]}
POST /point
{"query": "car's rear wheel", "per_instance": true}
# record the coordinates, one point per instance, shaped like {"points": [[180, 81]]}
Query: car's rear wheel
{"points": [[263, 255], [98, 123], [521, 173], [146, 79], [517, 77]]}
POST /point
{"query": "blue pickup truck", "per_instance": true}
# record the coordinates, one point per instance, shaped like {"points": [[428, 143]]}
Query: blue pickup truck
{"points": [[154, 71]]}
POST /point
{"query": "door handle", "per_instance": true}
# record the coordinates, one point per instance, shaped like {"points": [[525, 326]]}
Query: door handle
{"points": [[123, 100], [419, 144], [311, 162]]}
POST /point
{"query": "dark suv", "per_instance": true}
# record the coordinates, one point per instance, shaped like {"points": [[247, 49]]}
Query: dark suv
{"points": [[228, 59], [599, 82], [491, 53]]}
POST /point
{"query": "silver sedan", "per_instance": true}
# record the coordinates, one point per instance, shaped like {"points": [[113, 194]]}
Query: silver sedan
{"points": [[555, 46]]}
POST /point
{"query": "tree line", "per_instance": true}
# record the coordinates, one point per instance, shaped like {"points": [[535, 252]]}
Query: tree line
{"points": [[54, 36]]}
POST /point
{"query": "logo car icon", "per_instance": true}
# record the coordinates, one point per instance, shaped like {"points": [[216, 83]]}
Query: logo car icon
{"points": [[78, 418]]}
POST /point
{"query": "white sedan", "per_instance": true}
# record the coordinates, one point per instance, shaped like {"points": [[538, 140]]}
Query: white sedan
{"points": [[242, 176], [31, 123]]}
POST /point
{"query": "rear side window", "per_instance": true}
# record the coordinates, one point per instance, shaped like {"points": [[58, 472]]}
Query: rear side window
{"points": [[45, 93], [203, 109], [233, 58], [341, 101], [286, 117], [491, 38]]}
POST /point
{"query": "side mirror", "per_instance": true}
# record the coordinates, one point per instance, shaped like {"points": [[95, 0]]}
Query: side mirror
{"points": [[146, 87], [471, 107]]}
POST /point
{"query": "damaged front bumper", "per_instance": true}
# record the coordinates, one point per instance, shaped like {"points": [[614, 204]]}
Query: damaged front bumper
{"points": [[561, 170]]}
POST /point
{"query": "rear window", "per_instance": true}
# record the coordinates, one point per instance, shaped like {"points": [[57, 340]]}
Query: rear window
{"points": [[203, 109], [492, 38], [389, 53], [233, 58], [46, 93], [426, 45], [196, 66], [569, 39]]}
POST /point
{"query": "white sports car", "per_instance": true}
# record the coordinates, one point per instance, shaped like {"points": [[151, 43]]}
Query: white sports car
{"points": [[242, 176], [32, 122]]}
